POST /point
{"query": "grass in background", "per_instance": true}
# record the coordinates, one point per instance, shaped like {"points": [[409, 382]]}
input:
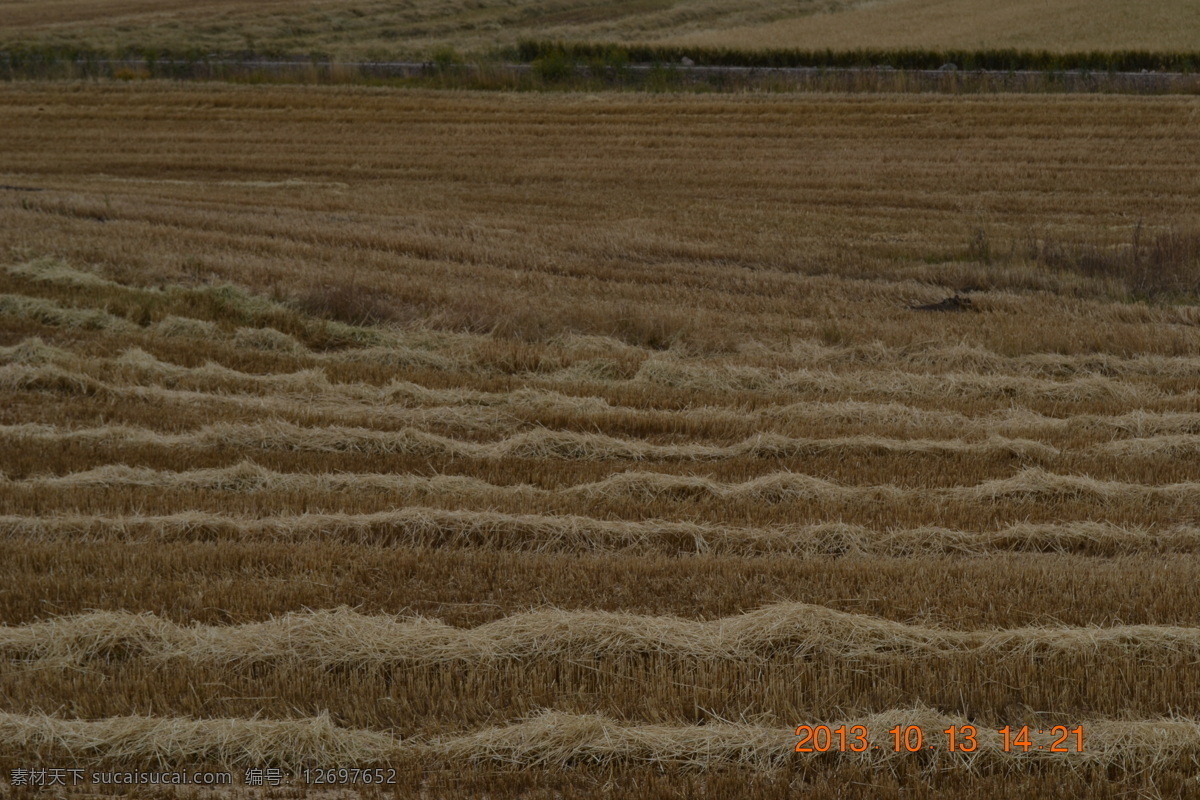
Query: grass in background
{"points": [[350, 30]]}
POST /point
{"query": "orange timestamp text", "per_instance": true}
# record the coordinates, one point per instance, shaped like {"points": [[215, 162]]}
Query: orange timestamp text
{"points": [[957, 739]]}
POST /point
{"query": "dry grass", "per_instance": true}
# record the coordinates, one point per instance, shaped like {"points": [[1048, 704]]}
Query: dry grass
{"points": [[344, 638], [437, 528], [564, 741], [537, 444], [249, 477], [881, 382], [34, 367], [49, 313], [630, 486], [376, 29], [1060, 25], [158, 742], [368, 29], [745, 286], [329, 448]]}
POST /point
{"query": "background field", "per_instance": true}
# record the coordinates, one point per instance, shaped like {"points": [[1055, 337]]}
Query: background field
{"points": [[599, 435], [375, 29], [1058, 25]]}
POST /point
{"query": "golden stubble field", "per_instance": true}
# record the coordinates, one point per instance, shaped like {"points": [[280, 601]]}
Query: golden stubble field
{"points": [[372, 28], [562, 445], [382, 29], [1056, 25]]}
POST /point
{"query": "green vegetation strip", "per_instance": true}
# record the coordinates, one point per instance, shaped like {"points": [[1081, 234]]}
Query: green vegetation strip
{"points": [[32, 60], [1001, 60]]}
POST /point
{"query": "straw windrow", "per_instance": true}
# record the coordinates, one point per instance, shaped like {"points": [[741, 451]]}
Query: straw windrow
{"points": [[560, 740], [432, 527], [536, 444], [345, 637], [1031, 483], [135, 375]]}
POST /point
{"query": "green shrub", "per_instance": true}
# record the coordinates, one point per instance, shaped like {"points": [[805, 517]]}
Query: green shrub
{"points": [[554, 67]]}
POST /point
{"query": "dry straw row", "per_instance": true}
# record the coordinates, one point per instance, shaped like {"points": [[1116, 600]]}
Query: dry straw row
{"points": [[967, 358], [200, 404], [488, 530], [435, 347], [672, 372], [539, 443], [48, 312], [427, 347], [888, 382], [557, 740], [552, 444], [136, 366], [137, 375], [34, 366], [1031, 483], [160, 742], [345, 637], [403, 402]]}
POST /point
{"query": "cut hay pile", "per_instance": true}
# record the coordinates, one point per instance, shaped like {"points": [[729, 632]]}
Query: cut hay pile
{"points": [[135, 373], [558, 740], [1037, 484], [247, 476], [165, 742], [1030, 484], [345, 637], [432, 527], [48, 312], [267, 339], [562, 740], [537, 444], [893, 383]]}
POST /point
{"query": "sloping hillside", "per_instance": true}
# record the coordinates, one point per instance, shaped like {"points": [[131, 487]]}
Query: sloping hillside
{"points": [[1060, 25], [374, 28], [417, 29]]}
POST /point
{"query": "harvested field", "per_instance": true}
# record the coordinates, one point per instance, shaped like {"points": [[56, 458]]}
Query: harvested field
{"points": [[370, 28], [375, 29], [567, 445], [1059, 25]]}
